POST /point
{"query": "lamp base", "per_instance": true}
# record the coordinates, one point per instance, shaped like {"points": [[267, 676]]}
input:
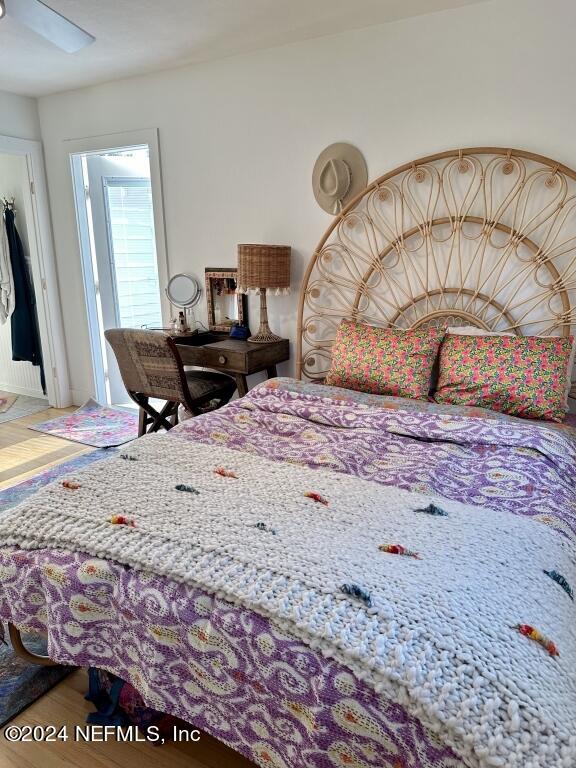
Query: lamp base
{"points": [[264, 335]]}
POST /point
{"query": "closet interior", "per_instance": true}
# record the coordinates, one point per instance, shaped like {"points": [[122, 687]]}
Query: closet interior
{"points": [[22, 384]]}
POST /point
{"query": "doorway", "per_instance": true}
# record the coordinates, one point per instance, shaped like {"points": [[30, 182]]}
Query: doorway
{"points": [[123, 258], [23, 184], [22, 382]]}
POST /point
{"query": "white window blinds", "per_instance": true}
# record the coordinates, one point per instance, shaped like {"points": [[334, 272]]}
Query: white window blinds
{"points": [[130, 219]]}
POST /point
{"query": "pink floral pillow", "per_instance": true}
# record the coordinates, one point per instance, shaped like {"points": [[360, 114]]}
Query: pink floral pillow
{"points": [[519, 375], [384, 361]]}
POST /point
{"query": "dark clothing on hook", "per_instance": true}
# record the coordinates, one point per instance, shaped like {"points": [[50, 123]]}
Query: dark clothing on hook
{"points": [[24, 321]]}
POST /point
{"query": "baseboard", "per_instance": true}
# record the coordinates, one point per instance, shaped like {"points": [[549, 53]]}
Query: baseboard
{"points": [[28, 391]]}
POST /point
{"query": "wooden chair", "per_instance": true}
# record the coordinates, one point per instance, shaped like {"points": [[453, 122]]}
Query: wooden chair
{"points": [[151, 367]]}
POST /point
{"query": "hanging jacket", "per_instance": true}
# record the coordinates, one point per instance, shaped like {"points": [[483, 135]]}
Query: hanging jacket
{"points": [[24, 322], [6, 279]]}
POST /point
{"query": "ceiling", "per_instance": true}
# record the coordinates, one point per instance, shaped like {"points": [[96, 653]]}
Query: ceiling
{"points": [[138, 36]]}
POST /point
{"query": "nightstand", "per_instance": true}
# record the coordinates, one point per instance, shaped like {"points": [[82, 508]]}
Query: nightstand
{"points": [[238, 358]]}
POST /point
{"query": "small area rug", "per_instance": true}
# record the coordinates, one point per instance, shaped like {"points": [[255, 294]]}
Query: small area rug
{"points": [[93, 424], [21, 683], [21, 406], [6, 401]]}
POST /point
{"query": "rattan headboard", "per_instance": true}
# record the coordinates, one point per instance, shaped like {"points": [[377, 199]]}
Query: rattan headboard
{"points": [[482, 236]]}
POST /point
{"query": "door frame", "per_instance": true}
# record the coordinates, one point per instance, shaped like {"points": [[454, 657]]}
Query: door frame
{"points": [[75, 148], [43, 266]]}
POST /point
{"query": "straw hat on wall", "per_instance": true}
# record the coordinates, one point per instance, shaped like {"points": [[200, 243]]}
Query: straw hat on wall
{"points": [[339, 174]]}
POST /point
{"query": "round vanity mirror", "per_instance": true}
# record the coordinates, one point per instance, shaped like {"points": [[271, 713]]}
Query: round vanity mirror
{"points": [[183, 290]]}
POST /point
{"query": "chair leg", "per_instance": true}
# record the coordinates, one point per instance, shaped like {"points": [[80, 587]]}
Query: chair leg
{"points": [[165, 417], [23, 652], [141, 421], [150, 416]]}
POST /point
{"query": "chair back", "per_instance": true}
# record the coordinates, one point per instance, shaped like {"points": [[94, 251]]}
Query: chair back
{"points": [[149, 363]]}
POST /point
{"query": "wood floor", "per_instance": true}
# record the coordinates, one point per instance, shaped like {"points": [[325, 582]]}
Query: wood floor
{"points": [[24, 453], [65, 705]]}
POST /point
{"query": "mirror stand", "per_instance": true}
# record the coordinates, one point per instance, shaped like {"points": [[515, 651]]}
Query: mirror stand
{"points": [[183, 292]]}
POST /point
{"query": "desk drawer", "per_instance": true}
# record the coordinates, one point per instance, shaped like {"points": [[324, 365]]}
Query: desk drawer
{"points": [[224, 359]]}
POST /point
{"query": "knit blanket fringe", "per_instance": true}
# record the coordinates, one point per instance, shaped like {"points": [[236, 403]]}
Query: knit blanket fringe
{"points": [[422, 597]]}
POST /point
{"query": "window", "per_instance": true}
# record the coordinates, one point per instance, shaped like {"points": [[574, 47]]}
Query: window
{"points": [[134, 267]]}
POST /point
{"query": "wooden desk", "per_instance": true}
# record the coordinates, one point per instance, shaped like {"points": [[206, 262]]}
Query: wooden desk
{"points": [[238, 358]]}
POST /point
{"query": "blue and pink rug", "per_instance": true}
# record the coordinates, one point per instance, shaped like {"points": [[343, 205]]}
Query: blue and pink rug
{"points": [[21, 683], [14, 407], [93, 424]]}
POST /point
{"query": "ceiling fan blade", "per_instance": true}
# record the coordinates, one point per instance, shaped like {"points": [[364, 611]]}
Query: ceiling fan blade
{"points": [[50, 24]]}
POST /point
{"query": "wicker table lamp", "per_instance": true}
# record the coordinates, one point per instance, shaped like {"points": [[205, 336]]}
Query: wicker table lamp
{"points": [[264, 269]]}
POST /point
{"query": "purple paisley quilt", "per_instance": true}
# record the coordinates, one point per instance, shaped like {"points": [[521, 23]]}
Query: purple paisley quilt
{"points": [[235, 674]]}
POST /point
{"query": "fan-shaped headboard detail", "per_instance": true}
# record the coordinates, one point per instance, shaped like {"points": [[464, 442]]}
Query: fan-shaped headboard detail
{"points": [[482, 236]]}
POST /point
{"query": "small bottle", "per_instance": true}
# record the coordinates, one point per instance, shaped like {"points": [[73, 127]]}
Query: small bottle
{"points": [[182, 324]]}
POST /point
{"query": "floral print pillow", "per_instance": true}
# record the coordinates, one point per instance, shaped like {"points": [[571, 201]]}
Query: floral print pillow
{"points": [[384, 361], [519, 375]]}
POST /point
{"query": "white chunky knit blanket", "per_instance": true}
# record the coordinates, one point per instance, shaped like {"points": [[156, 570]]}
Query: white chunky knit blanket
{"points": [[438, 635]]}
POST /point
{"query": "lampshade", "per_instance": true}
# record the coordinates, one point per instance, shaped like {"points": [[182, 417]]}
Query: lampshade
{"points": [[263, 267]]}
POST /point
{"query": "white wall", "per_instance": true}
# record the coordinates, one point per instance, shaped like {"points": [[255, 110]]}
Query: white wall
{"points": [[239, 137], [19, 377], [13, 180], [19, 116]]}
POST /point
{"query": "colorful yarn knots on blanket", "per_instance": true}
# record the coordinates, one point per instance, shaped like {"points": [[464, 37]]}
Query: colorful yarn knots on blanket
{"points": [[225, 472], [264, 527], [398, 549], [538, 637], [353, 590], [316, 497], [187, 488], [561, 581], [121, 520], [432, 509]]}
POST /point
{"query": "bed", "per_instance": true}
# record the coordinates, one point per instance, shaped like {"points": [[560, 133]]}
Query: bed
{"points": [[328, 652]]}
